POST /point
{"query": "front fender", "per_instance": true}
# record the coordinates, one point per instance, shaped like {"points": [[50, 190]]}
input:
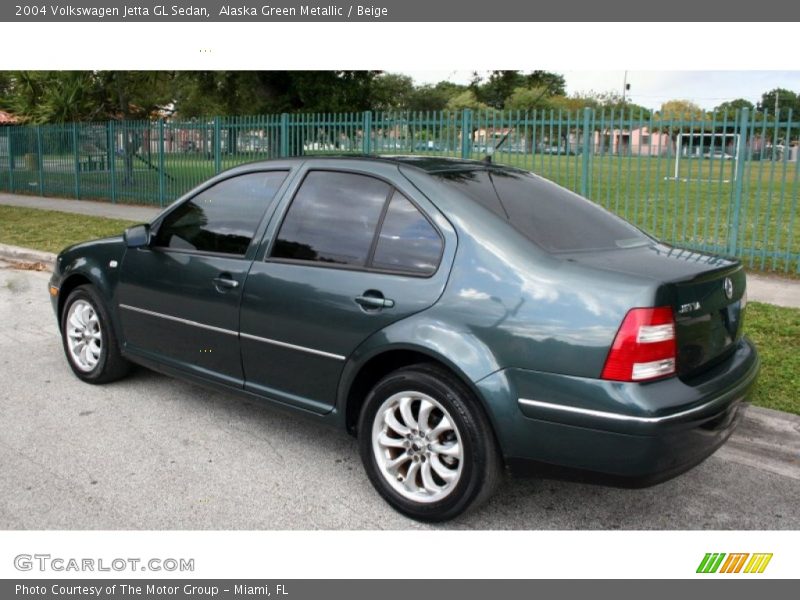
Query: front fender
{"points": [[95, 262]]}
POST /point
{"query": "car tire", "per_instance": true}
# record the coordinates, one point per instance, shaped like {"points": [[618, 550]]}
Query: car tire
{"points": [[427, 445], [90, 343]]}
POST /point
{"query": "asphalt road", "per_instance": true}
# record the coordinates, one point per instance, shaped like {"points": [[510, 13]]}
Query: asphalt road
{"points": [[151, 452]]}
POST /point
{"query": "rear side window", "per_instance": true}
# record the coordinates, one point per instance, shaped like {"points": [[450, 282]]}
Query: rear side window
{"points": [[553, 217], [223, 218], [407, 242], [332, 219]]}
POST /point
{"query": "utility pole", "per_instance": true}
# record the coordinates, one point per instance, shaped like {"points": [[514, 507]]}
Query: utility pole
{"points": [[625, 86]]}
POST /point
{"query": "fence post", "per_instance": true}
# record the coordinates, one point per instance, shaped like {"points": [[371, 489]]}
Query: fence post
{"points": [[217, 145], [11, 163], [112, 161], [77, 161], [366, 135], [40, 158], [161, 181], [585, 152], [466, 133], [284, 135], [741, 146]]}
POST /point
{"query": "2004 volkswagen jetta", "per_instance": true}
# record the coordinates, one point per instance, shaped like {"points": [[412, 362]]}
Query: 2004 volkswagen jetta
{"points": [[457, 316]]}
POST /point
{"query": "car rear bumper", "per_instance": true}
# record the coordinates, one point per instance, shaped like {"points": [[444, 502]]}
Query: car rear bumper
{"points": [[647, 431]]}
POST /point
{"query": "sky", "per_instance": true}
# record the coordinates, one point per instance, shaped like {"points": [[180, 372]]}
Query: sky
{"points": [[651, 88]]}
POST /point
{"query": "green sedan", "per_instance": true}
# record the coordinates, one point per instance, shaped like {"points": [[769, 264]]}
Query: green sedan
{"points": [[460, 318]]}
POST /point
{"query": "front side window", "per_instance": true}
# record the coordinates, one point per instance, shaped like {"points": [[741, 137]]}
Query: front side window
{"points": [[223, 218], [332, 219]]}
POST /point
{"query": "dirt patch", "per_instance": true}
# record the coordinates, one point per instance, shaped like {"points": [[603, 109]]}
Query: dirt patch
{"points": [[27, 266]]}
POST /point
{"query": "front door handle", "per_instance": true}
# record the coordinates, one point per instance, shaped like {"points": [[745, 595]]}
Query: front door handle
{"points": [[372, 300], [225, 283]]}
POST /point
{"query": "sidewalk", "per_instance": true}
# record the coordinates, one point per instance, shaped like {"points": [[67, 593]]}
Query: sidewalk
{"points": [[773, 290], [83, 207], [760, 288]]}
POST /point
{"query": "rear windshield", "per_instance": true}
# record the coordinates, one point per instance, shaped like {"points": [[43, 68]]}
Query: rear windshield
{"points": [[547, 214]]}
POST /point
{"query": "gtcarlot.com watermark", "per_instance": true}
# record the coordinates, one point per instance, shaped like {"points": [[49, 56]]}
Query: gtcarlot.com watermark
{"points": [[58, 564]]}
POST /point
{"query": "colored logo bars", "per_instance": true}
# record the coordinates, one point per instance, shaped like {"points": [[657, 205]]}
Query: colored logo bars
{"points": [[713, 562]]}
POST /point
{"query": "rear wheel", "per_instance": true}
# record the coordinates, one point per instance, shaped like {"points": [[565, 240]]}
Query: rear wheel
{"points": [[89, 341], [426, 445]]}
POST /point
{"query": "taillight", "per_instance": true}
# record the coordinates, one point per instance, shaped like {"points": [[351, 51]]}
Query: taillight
{"points": [[645, 346]]}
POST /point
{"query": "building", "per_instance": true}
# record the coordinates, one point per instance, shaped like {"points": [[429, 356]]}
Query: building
{"points": [[637, 142], [7, 118]]}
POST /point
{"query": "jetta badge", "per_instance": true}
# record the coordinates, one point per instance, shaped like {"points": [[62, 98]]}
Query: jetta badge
{"points": [[727, 285]]}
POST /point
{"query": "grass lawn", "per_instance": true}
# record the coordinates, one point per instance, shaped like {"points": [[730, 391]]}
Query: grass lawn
{"points": [[776, 332], [51, 230]]}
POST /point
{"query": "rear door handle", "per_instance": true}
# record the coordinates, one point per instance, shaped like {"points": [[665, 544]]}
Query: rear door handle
{"points": [[225, 283], [374, 301]]}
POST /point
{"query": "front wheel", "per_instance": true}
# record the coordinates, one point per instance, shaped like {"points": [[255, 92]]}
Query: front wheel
{"points": [[89, 341], [426, 445]]}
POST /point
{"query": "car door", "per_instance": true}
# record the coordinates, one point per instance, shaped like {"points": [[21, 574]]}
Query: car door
{"points": [[179, 297], [350, 254]]}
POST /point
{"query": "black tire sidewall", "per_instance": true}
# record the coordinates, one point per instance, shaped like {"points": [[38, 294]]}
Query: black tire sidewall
{"points": [[471, 428], [87, 294]]}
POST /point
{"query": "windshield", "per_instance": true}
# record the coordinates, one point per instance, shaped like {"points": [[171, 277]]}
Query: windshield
{"points": [[551, 216]]}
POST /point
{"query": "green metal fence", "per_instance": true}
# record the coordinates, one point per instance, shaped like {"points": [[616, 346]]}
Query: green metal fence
{"points": [[723, 183]]}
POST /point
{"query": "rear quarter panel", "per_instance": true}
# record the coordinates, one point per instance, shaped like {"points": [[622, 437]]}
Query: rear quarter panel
{"points": [[510, 304]]}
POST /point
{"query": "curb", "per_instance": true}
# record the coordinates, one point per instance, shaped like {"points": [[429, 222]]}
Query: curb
{"points": [[18, 254], [768, 440]]}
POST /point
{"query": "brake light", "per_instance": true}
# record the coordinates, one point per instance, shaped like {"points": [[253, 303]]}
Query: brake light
{"points": [[644, 347]]}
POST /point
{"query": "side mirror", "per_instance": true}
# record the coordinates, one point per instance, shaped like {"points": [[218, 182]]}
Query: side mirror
{"points": [[137, 236]]}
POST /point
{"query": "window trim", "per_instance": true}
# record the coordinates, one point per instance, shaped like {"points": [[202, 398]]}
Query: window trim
{"points": [[366, 268], [255, 240]]}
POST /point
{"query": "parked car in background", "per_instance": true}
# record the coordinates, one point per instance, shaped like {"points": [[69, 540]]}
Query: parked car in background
{"points": [[458, 317], [718, 155], [565, 150], [429, 146]]}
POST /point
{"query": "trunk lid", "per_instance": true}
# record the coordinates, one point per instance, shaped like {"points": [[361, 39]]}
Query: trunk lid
{"points": [[706, 292]]}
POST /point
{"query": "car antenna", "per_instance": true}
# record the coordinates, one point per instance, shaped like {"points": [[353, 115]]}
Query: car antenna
{"points": [[488, 157]]}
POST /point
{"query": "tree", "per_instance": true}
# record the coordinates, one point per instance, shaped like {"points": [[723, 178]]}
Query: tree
{"points": [[555, 84], [681, 110], [787, 100], [5, 89], [264, 92], [501, 85], [434, 97], [53, 96], [730, 109], [529, 98], [607, 103], [68, 96], [391, 91], [465, 99]]}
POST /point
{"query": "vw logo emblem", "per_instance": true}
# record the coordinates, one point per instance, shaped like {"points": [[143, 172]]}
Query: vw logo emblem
{"points": [[727, 285]]}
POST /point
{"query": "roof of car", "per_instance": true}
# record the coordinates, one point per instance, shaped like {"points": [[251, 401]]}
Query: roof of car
{"points": [[437, 164], [429, 164]]}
